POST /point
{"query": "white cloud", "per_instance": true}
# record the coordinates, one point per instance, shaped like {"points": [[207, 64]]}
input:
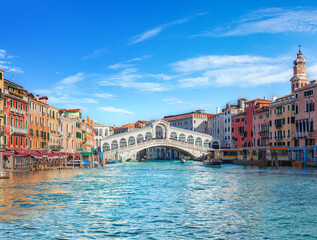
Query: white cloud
{"points": [[158, 29], [173, 100], [146, 35], [129, 78], [127, 63], [103, 95], [271, 20], [115, 110], [231, 70], [96, 53], [73, 79]]}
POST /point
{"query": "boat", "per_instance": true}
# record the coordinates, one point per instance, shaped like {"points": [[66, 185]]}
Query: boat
{"points": [[297, 164], [212, 162], [142, 159], [182, 160]]}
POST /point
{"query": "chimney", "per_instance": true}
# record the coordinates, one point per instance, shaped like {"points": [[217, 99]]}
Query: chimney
{"points": [[37, 97], [264, 97], [274, 98], [217, 110]]}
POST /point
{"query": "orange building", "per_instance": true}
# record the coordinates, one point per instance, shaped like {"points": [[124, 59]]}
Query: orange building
{"points": [[38, 123]]}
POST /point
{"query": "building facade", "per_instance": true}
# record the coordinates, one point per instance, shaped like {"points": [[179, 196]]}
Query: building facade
{"points": [[16, 113], [39, 134], [2, 145], [216, 126], [261, 127]]}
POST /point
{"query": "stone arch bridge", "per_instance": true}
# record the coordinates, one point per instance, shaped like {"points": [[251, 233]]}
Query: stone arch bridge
{"points": [[158, 134]]}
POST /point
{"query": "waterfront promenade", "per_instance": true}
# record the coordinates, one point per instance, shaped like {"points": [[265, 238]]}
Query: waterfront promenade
{"points": [[160, 200]]}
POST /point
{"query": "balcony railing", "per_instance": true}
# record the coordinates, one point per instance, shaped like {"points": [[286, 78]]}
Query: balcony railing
{"points": [[18, 131], [264, 133], [19, 111], [55, 147], [3, 147], [301, 134]]}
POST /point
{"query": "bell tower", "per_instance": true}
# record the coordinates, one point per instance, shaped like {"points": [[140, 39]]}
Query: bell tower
{"points": [[299, 78]]}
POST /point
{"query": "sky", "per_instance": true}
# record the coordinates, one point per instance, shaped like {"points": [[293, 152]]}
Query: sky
{"points": [[123, 61]]}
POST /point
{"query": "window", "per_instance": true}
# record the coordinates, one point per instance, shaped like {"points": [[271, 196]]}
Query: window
{"points": [[21, 123], [16, 121], [11, 103], [283, 108], [270, 111], [288, 108], [5, 120], [308, 93], [11, 141], [5, 102], [21, 141], [16, 105], [11, 121], [21, 107], [296, 108]]}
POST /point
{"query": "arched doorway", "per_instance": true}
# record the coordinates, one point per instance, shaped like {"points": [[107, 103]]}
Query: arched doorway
{"points": [[148, 136], [207, 143], [198, 141], [173, 136], [105, 147], [139, 138], [215, 145], [182, 138], [131, 140], [190, 139], [114, 144], [123, 142]]}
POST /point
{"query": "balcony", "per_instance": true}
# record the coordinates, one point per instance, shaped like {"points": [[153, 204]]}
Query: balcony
{"points": [[278, 138], [18, 131], [1, 130], [301, 134], [14, 95], [17, 111], [278, 125], [55, 147], [263, 133]]}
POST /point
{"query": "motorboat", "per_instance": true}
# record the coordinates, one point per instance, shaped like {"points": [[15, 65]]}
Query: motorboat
{"points": [[182, 160], [212, 162]]}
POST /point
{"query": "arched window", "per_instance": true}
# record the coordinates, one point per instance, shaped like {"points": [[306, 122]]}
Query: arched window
{"points": [[312, 106], [16, 121], [11, 121], [21, 123], [26, 123], [306, 106]]}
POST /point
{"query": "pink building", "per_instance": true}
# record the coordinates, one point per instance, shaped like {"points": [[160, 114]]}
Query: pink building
{"points": [[261, 127], [305, 97]]}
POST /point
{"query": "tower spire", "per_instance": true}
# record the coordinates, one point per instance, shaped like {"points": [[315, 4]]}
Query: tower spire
{"points": [[299, 78]]}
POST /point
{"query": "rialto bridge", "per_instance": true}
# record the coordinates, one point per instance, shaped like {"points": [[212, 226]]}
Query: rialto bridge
{"points": [[158, 134]]}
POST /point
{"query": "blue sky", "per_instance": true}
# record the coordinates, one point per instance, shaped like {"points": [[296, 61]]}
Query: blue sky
{"points": [[121, 61]]}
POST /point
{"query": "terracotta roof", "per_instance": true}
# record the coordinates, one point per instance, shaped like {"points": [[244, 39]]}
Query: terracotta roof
{"points": [[72, 110], [44, 97], [288, 95], [260, 100]]}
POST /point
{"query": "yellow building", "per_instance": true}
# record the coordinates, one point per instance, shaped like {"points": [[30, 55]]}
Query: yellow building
{"points": [[282, 121], [1, 110], [53, 124]]}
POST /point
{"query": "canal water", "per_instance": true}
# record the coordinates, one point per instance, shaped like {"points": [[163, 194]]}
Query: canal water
{"points": [[160, 200]]}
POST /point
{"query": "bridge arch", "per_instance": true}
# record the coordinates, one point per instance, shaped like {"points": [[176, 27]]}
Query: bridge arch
{"points": [[131, 140], [105, 147], [123, 142], [114, 144], [139, 138], [148, 136], [182, 138], [190, 139], [174, 135], [199, 141], [207, 143]]}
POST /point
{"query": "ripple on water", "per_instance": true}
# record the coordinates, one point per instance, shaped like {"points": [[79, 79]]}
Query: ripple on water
{"points": [[160, 200]]}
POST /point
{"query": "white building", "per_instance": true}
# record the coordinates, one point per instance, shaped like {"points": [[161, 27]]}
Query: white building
{"points": [[216, 126], [101, 130], [229, 111]]}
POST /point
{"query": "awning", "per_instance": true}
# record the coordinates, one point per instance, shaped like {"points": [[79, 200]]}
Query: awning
{"points": [[7, 154], [22, 153]]}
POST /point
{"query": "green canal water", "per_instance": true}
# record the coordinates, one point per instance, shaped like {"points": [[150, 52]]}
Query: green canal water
{"points": [[160, 200]]}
